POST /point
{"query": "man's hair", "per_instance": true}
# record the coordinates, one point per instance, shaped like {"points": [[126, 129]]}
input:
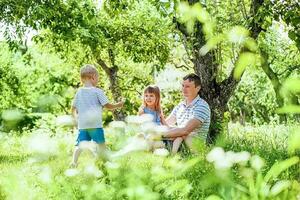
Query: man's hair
{"points": [[88, 71], [193, 77]]}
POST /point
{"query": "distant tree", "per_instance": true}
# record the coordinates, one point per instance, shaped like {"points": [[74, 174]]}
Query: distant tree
{"points": [[108, 33]]}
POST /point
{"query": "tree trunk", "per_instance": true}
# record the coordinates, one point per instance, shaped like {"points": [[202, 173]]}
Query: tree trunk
{"points": [[114, 87], [216, 94]]}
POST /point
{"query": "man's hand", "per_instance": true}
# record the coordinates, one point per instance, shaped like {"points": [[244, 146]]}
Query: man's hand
{"points": [[191, 125]]}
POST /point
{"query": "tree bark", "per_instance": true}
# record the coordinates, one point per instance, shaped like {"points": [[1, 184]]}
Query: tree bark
{"points": [[112, 72], [217, 94]]}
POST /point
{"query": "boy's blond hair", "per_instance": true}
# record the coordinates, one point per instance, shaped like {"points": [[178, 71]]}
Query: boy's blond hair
{"points": [[88, 71]]}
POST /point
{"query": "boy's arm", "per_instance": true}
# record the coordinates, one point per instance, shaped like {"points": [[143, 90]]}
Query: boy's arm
{"points": [[74, 114], [110, 106]]}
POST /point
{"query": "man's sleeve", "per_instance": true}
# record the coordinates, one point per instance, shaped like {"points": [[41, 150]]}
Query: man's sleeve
{"points": [[202, 112], [102, 97], [174, 111]]}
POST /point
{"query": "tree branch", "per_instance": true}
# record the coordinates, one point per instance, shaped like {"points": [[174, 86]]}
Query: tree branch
{"points": [[289, 70], [104, 66], [180, 27]]}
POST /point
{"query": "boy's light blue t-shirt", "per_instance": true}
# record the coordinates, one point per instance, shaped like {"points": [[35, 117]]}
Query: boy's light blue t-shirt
{"points": [[88, 102]]}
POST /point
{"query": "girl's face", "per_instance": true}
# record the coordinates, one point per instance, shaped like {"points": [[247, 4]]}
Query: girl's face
{"points": [[150, 99]]}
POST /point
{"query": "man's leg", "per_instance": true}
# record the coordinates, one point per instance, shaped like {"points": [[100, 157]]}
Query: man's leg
{"points": [[176, 144], [189, 141]]}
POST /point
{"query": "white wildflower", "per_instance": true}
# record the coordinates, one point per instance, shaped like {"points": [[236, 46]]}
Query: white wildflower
{"points": [[148, 127], [45, 175], [71, 172], [223, 164], [238, 34], [242, 157], [133, 119], [42, 144], [257, 162], [117, 124], [93, 170], [133, 144], [161, 152], [161, 129], [65, 120], [146, 118], [215, 154], [112, 165]]}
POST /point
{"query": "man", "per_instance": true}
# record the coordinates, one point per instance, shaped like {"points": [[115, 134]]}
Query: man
{"points": [[191, 116]]}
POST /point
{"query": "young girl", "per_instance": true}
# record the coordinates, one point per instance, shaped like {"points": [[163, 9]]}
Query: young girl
{"points": [[151, 105]]}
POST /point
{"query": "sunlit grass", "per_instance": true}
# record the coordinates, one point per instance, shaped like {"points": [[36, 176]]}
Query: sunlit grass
{"points": [[252, 162]]}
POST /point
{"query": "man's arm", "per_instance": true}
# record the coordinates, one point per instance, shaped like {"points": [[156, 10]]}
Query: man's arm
{"points": [[171, 120], [189, 127]]}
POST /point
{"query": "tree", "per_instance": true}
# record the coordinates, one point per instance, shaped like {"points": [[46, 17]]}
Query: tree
{"points": [[206, 42], [142, 30], [108, 33]]}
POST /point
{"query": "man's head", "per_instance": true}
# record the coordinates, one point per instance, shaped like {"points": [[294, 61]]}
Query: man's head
{"points": [[191, 85], [88, 73]]}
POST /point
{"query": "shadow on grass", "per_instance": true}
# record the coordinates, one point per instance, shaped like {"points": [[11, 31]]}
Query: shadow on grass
{"points": [[8, 159]]}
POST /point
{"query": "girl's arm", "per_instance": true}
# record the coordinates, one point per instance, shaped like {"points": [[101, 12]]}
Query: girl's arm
{"points": [[162, 119], [141, 110]]}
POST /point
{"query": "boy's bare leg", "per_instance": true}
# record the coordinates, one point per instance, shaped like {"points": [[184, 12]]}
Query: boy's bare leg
{"points": [[176, 144], [76, 154], [102, 152]]}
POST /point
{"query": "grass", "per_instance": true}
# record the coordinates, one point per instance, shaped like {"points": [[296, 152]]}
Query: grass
{"points": [[36, 173]]}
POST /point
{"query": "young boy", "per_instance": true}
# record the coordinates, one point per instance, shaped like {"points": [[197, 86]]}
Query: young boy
{"points": [[87, 111]]}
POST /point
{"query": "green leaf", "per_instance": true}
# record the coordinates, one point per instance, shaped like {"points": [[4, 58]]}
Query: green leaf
{"points": [[251, 44], [290, 86], [245, 59], [294, 141], [279, 167], [292, 109], [211, 43], [12, 115], [279, 187]]}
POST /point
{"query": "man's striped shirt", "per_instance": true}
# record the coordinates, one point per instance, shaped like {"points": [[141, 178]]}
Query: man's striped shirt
{"points": [[198, 109]]}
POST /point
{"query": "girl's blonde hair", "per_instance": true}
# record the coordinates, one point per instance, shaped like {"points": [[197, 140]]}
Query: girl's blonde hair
{"points": [[155, 90]]}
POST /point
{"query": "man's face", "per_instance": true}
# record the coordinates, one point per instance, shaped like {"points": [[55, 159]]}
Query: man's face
{"points": [[189, 90]]}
